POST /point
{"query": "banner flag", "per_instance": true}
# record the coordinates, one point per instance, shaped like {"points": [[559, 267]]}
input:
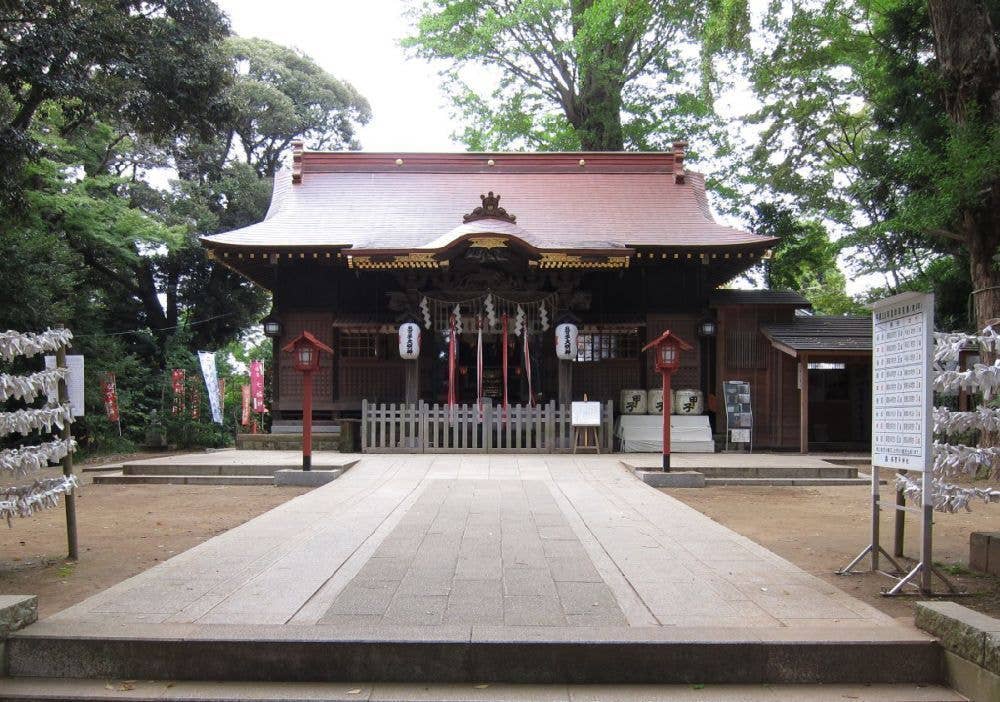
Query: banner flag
{"points": [[212, 382], [246, 405], [109, 391], [257, 385], [194, 398], [177, 382]]}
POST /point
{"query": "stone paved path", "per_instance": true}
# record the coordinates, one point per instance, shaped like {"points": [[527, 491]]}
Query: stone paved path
{"points": [[497, 540]]}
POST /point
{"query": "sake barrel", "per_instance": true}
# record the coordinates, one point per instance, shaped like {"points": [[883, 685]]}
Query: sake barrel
{"points": [[654, 401], [633, 402], [689, 401]]}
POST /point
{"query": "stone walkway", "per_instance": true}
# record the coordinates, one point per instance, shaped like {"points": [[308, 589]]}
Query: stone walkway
{"points": [[490, 540]]}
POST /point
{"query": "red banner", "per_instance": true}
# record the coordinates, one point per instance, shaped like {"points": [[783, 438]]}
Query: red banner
{"points": [[257, 385], [452, 353], [504, 368], [177, 381], [246, 405], [194, 397], [109, 391]]}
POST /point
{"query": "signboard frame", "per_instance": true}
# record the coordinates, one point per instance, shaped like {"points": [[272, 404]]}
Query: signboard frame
{"points": [[902, 399], [739, 413], [585, 414]]}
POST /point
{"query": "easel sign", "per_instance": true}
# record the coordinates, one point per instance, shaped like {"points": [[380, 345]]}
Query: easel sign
{"points": [[902, 404], [585, 418]]}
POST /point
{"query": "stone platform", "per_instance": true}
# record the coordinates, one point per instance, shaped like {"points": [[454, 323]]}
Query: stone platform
{"points": [[451, 568]]}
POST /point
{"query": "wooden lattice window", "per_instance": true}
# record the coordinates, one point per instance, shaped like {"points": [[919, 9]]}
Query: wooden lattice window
{"points": [[604, 346], [359, 344], [746, 349]]}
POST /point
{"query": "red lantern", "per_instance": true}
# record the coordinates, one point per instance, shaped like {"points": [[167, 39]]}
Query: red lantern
{"points": [[306, 349], [668, 358]]}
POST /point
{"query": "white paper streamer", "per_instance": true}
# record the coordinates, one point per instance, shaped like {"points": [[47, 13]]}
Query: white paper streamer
{"points": [[458, 318], [426, 311], [958, 459], [980, 377], [519, 320], [28, 420], [946, 497], [29, 387], [27, 459], [42, 494], [543, 317], [491, 313], [947, 421], [14, 344], [948, 346]]}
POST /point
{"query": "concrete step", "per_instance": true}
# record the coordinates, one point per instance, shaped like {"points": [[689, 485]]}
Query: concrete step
{"points": [[285, 426], [801, 482], [198, 691], [722, 471], [460, 654], [286, 442], [164, 468], [122, 479]]}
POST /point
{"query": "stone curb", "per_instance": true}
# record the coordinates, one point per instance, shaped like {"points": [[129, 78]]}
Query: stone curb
{"points": [[968, 634], [17, 612]]}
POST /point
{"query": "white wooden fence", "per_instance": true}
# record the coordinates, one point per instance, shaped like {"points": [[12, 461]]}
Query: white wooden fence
{"points": [[436, 428]]}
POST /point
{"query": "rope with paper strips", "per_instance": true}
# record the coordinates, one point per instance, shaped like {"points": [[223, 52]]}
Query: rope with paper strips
{"points": [[954, 460], [26, 500]]}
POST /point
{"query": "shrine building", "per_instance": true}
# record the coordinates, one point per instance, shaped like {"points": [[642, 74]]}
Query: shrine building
{"points": [[490, 252]]}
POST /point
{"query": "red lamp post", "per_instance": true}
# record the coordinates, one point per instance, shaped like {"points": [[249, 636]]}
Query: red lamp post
{"points": [[668, 349], [306, 349]]}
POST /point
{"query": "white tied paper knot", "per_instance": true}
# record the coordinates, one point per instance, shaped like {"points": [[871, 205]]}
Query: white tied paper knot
{"points": [[14, 344], [42, 494]]}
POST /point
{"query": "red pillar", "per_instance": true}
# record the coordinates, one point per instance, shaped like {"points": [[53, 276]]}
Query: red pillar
{"points": [[667, 409], [307, 420]]}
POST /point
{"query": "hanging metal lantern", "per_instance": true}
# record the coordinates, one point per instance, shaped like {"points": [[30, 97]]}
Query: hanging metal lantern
{"points": [[409, 341], [566, 336]]}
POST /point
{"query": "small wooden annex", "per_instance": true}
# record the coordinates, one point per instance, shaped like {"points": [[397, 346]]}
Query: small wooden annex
{"points": [[355, 243]]}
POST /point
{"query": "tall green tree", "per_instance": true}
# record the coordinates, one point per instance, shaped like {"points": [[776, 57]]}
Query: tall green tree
{"points": [[600, 75], [857, 129]]}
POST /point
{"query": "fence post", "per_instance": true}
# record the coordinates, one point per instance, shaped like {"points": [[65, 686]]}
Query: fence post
{"points": [[422, 410], [609, 426], [488, 425], [550, 427], [364, 426]]}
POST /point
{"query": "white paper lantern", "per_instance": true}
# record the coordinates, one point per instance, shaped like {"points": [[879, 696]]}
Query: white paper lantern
{"points": [[409, 341], [566, 336]]}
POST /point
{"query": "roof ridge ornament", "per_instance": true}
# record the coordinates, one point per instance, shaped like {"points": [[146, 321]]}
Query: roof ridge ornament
{"points": [[490, 209]]}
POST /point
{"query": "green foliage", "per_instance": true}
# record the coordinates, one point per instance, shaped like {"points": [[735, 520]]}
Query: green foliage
{"points": [[94, 96], [805, 260], [591, 74], [856, 132]]}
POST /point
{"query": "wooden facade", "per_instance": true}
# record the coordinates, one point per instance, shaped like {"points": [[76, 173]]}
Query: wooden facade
{"points": [[624, 244]]}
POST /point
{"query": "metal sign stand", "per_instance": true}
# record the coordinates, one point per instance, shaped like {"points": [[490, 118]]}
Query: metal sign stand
{"points": [[902, 397]]}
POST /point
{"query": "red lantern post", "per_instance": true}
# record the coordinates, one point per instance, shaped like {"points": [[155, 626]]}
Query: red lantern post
{"points": [[306, 349], [668, 349]]}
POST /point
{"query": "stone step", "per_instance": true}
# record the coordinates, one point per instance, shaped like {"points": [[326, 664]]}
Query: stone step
{"points": [[777, 482], [198, 691], [483, 654], [165, 468], [723, 471], [122, 479], [284, 426], [287, 442]]}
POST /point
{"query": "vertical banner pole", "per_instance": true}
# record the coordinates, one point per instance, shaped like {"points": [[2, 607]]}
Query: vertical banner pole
{"points": [[876, 513], [67, 464]]}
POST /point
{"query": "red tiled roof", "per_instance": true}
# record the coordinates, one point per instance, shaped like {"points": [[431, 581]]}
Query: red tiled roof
{"points": [[367, 201]]}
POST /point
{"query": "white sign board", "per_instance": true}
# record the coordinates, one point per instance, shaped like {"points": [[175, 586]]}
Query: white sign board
{"points": [[586, 414], [902, 392], [74, 382]]}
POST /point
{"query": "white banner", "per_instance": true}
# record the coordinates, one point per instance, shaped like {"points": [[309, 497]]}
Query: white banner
{"points": [[74, 382], [211, 376]]}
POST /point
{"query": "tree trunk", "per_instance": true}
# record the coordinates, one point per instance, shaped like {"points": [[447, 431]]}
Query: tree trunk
{"points": [[967, 52], [598, 120]]}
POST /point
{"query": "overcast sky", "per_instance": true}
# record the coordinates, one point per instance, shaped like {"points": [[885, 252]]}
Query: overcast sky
{"points": [[358, 41]]}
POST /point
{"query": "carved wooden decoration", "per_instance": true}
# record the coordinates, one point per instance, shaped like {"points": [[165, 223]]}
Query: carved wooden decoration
{"points": [[490, 209]]}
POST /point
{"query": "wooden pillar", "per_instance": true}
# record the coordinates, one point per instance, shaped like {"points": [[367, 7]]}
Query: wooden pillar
{"points": [[565, 382], [804, 403], [412, 381]]}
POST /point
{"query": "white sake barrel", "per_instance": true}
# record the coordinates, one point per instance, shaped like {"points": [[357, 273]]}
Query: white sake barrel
{"points": [[633, 402], [689, 401], [654, 401]]}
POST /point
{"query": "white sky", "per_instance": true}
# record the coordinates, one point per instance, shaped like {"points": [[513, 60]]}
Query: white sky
{"points": [[359, 42]]}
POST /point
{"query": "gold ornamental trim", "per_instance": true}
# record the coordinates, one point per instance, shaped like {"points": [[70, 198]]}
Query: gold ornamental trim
{"points": [[410, 260], [564, 260]]}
